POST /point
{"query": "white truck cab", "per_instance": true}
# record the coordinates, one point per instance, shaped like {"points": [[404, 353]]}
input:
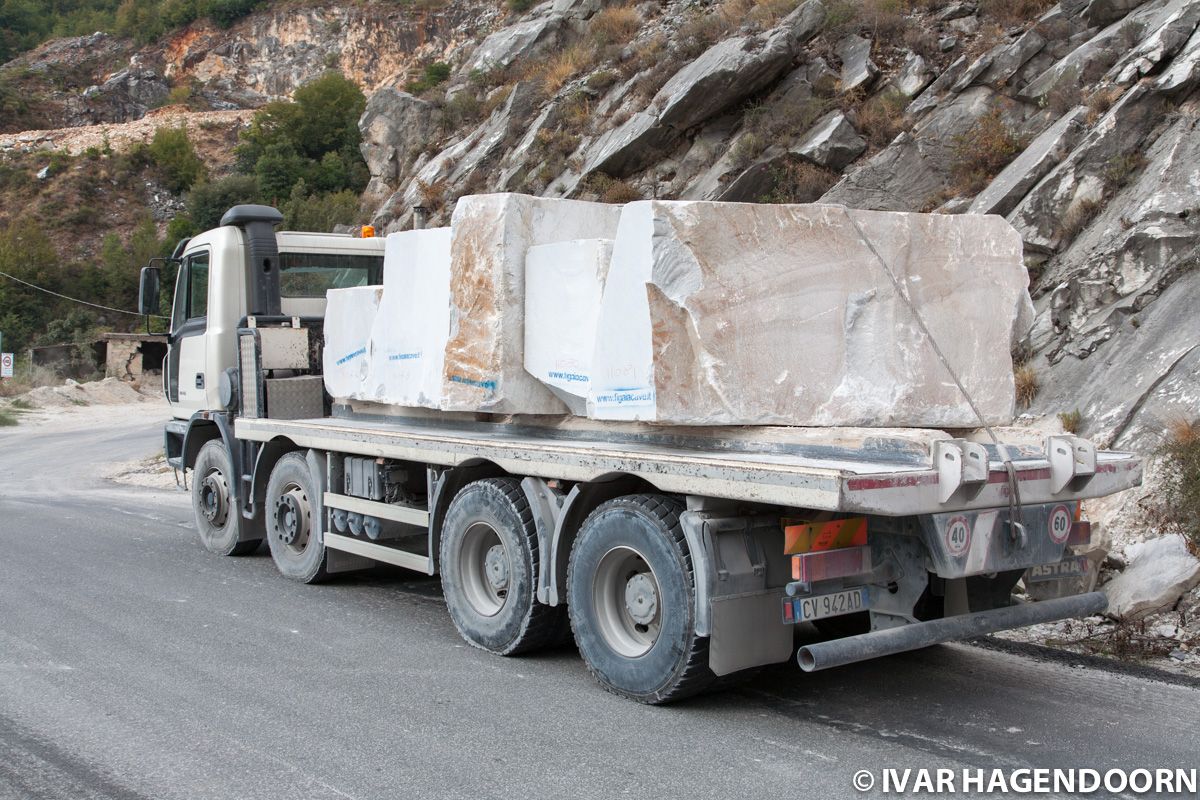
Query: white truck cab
{"points": [[214, 294]]}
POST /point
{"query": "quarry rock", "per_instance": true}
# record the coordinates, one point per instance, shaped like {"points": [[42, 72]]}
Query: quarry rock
{"points": [[1045, 216], [1160, 572], [395, 127], [914, 76], [833, 142], [857, 67], [1037, 159], [484, 363], [727, 314], [524, 39], [564, 283]]}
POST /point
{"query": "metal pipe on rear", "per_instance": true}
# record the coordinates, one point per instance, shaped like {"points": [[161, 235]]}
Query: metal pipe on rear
{"points": [[914, 636]]}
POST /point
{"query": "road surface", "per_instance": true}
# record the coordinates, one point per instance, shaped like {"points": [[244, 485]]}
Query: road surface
{"points": [[135, 665]]}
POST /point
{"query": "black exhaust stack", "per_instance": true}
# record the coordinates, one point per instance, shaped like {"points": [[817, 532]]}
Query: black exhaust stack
{"points": [[262, 256]]}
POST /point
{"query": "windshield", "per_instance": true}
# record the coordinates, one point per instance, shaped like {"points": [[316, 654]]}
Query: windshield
{"points": [[313, 274]]}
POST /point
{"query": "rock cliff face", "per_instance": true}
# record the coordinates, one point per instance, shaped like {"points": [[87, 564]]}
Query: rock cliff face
{"points": [[1074, 120], [1077, 124]]}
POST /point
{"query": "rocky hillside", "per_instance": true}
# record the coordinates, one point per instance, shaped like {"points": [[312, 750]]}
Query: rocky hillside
{"points": [[1074, 120]]}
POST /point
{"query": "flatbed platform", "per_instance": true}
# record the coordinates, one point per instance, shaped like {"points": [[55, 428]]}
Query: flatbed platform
{"points": [[859, 470]]}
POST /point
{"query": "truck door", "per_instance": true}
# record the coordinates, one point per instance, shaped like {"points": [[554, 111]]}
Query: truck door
{"points": [[189, 319]]}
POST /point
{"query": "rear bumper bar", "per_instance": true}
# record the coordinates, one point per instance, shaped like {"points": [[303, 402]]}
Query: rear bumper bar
{"points": [[914, 636]]}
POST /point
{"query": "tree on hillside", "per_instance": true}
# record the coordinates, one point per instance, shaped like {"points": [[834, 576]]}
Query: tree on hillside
{"points": [[314, 138]]}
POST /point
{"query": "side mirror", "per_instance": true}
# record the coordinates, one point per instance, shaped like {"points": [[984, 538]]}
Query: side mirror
{"points": [[148, 291]]}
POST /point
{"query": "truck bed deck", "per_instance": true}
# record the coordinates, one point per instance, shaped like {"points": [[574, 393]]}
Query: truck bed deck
{"points": [[860, 470]]}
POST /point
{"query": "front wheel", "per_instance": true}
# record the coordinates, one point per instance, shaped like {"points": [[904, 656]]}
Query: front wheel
{"points": [[222, 528], [293, 512], [632, 600]]}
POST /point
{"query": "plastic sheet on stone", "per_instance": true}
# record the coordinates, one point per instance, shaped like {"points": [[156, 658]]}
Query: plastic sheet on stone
{"points": [[408, 338], [563, 286], [349, 315]]}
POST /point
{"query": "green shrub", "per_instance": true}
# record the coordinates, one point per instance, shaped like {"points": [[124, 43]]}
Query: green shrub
{"points": [[172, 152], [519, 6], [435, 73], [319, 211], [226, 12]]}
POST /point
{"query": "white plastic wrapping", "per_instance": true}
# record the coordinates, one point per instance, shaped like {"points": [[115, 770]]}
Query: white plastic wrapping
{"points": [[563, 286], [349, 315], [408, 338]]}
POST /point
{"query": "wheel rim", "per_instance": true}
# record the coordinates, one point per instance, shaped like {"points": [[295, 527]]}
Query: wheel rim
{"points": [[626, 597], [484, 569], [214, 498], [293, 519]]}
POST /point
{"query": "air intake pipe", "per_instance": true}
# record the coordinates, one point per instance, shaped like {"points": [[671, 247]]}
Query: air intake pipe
{"points": [[262, 256]]}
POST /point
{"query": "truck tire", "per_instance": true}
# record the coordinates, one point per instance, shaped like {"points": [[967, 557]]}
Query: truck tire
{"points": [[218, 519], [632, 601], [489, 568], [294, 516]]}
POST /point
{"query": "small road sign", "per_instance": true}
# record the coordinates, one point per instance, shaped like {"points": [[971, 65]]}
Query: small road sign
{"points": [[6, 365]]}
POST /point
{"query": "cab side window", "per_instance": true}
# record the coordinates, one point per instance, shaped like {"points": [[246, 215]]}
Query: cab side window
{"points": [[191, 291], [197, 270]]}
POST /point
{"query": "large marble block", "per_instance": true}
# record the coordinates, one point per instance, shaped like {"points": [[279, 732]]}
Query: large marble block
{"points": [[484, 363], [563, 286], [744, 314]]}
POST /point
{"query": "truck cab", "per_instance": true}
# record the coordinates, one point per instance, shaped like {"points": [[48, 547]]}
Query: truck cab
{"points": [[215, 294]]}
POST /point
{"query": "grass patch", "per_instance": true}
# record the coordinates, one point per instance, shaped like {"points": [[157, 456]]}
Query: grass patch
{"points": [[1009, 13], [981, 152], [798, 182], [1071, 421], [7, 418], [1027, 383], [615, 25], [881, 118], [612, 190]]}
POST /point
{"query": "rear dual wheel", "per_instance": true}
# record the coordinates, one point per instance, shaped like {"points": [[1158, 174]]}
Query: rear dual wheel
{"points": [[632, 600]]}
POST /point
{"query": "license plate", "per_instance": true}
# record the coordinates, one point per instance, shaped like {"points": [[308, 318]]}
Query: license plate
{"points": [[1073, 567], [834, 604]]}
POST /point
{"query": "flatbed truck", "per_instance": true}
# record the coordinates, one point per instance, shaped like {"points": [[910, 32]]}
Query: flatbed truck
{"points": [[671, 557]]}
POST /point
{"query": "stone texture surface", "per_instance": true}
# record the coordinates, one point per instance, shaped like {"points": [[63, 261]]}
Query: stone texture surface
{"points": [[484, 365], [1037, 159], [717, 313], [1160, 572], [858, 70], [832, 143], [395, 128]]}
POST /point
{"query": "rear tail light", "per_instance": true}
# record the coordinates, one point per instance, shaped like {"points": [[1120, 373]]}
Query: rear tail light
{"points": [[825, 564]]}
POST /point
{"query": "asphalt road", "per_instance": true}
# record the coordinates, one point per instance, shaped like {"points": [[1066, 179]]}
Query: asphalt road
{"points": [[135, 665]]}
